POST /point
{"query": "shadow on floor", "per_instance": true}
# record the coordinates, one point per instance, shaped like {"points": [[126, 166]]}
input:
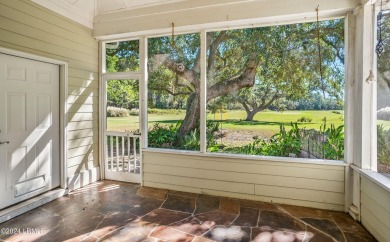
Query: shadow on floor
{"points": [[116, 211]]}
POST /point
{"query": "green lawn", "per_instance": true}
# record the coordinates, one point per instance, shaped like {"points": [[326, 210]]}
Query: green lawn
{"points": [[264, 121], [235, 131], [386, 124]]}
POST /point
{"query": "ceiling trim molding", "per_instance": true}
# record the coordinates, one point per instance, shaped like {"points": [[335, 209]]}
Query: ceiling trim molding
{"points": [[69, 11]]}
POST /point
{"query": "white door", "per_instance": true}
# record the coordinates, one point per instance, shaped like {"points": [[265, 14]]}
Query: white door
{"points": [[29, 128], [122, 136]]}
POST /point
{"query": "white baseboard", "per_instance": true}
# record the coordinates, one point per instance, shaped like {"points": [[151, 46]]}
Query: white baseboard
{"points": [[83, 178], [30, 204]]}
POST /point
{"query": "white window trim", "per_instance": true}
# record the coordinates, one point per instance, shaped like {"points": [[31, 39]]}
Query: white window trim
{"points": [[370, 103], [249, 157], [372, 171], [203, 149]]}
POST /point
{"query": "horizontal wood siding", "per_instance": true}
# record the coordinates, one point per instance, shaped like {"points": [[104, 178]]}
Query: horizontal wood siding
{"points": [[312, 185], [375, 209], [28, 27]]}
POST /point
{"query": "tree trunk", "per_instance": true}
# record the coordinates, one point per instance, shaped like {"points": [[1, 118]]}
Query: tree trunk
{"points": [[192, 117], [250, 115]]}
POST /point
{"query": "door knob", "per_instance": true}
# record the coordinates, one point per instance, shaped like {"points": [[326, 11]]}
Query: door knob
{"points": [[5, 142]]}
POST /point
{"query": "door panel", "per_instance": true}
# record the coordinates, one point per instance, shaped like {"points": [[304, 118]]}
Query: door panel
{"points": [[29, 121], [16, 112]]}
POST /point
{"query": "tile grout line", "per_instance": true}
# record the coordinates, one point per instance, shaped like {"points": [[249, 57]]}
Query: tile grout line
{"points": [[151, 232], [168, 226], [172, 210], [196, 201], [205, 232], [166, 198], [342, 232], [178, 221], [238, 215], [309, 225], [105, 216], [258, 219]]}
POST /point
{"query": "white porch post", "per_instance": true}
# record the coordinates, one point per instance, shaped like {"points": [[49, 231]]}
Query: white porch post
{"points": [[144, 91], [350, 84], [102, 101], [203, 91], [362, 112], [143, 99]]}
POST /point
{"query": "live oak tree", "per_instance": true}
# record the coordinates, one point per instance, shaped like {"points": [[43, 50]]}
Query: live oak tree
{"points": [[183, 59], [291, 67]]}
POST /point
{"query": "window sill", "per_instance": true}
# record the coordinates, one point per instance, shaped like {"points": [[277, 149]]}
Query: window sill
{"points": [[377, 178], [247, 157]]}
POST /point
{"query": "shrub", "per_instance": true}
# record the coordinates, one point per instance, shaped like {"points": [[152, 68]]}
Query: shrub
{"points": [[334, 145], [338, 112], [192, 140], [383, 141], [304, 120], [134, 112], [165, 111], [289, 143], [117, 112], [167, 136], [285, 143], [162, 136]]}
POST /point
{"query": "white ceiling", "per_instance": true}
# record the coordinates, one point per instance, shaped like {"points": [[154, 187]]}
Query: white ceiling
{"points": [[104, 6], [84, 11]]}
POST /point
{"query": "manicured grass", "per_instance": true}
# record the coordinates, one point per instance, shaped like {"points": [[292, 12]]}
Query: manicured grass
{"points": [[132, 123], [386, 124], [271, 120], [267, 122]]}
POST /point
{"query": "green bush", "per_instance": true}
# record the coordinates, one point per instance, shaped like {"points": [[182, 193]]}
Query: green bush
{"points": [[383, 145], [167, 136], [162, 136], [304, 120], [285, 144], [117, 112], [334, 145], [134, 112], [165, 111], [289, 143], [338, 112]]}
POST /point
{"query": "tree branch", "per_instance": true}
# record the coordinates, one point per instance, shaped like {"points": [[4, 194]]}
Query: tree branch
{"points": [[331, 44], [245, 79], [179, 68], [196, 67], [247, 109], [170, 92], [222, 36], [266, 105]]}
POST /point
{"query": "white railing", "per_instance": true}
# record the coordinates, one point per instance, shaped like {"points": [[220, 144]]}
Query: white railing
{"points": [[123, 152]]}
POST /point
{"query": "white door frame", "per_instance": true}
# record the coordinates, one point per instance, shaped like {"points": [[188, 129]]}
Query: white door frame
{"points": [[63, 105], [103, 112]]}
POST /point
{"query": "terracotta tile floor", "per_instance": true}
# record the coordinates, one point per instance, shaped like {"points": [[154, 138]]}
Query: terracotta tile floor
{"points": [[115, 211]]}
